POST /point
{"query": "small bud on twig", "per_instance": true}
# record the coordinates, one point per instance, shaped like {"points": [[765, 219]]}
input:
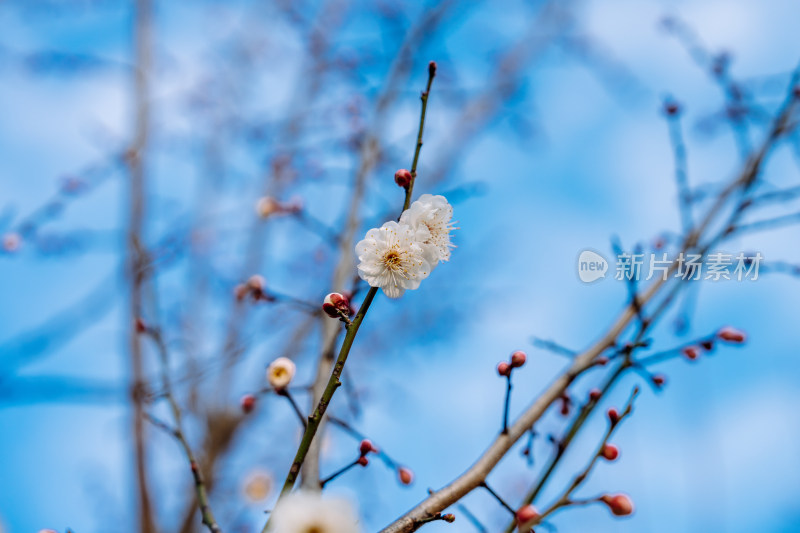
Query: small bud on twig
{"points": [[619, 504], [366, 447], [527, 516], [432, 69], [732, 335], [403, 178], [609, 452], [248, 403], [336, 305], [691, 352], [405, 475], [267, 206], [363, 461], [504, 369], [613, 415], [595, 394], [518, 359]]}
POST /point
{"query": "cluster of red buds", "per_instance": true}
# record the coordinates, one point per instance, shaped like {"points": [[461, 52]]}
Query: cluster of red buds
{"points": [[518, 359], [254, 287], [727, 334], [365, 448]]}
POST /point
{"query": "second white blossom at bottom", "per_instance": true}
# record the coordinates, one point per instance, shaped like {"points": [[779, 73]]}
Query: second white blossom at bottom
{"points": [[304, 512], [390, 258]]}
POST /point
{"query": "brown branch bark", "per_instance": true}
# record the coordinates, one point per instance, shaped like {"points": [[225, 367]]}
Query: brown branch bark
{"points": [[137, 254], [477, 473]]}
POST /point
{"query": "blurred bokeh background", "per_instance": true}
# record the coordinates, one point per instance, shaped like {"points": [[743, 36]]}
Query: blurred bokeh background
{"points": [[545, 130]]}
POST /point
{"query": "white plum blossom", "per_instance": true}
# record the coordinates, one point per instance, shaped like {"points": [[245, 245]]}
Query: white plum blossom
{"points": [[391, 258], [280, 372], [306, 512], [431, 219]]}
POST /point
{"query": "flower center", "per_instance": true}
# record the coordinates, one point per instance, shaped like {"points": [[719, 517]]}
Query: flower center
{"points": [[392, 259]]}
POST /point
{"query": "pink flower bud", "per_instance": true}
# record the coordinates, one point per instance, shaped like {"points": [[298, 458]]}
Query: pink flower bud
{"points": [[363, 461], [527, 516], [595, 394], [518, 359], [609, 452], [335, 304], [267, 206], [405, 475], [366, 447], [619, 504], [732, 335], [613, 415], [691, 352], [248, 403], [11, 242], [403, 178], [240, 292], [503, 368], [256, 283]]}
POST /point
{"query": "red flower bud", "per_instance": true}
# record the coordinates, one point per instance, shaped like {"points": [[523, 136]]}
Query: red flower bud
{"points": [[691, 352], [335, 304], [405, 475], [595, 394], [366, 447], [707, 345], [609, 452], [732, 335], [613, 415], [403, 178], [659, 380], [141, 327], [527, 517], [363, 461], [248, 403], [432, 69], [620, 504], [602, 360], [503, 368], [518, 359]]}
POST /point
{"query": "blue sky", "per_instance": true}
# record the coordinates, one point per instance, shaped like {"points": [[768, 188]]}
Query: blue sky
{"points": [[715, 451]]}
